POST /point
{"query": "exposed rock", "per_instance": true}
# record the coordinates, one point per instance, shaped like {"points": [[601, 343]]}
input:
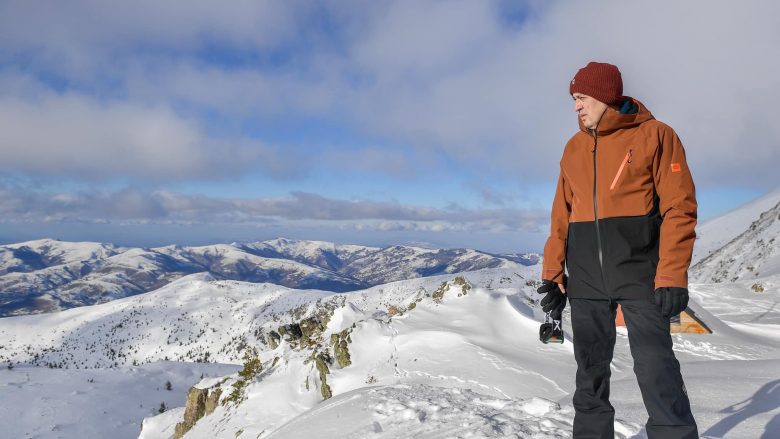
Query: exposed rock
{"points": [[312, 327], [340, 342], [200, 403], [321, 360], [465, 286], [292, 331], [307, 332], [273, 339], [212, 400], [459, 281], [438, 295]]}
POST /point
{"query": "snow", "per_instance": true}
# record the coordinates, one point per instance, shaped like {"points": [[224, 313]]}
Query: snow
{"points": [[312, 249], [753, 254], [433, 412], [730, 398], [471, 366], [48, 275], [465, 364], [95, 403], [717, 232], [67, 252]]}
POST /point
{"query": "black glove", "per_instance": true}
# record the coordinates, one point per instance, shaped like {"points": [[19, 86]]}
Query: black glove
{"points": [[555, 300], [671, 300]]}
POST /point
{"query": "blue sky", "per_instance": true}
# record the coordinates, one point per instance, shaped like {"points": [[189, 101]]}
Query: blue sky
{"points": [[377, 123]]}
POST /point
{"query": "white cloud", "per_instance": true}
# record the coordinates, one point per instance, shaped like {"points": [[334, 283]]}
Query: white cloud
{"points": [[86, 34], [439, 77], [73, 135], [710, 73], [136, 206]]}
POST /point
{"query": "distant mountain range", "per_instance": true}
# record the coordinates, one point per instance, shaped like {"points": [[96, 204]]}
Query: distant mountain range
{"points": [[49, 275]]}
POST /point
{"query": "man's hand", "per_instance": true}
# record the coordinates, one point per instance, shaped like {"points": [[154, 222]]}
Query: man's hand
{"points": [[671, 300], [555, 300]]}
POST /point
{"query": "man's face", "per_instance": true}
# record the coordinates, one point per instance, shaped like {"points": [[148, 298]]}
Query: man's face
{"points": [[589, 109]]}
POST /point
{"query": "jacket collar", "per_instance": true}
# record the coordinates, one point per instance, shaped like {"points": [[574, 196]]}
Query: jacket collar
{"points": [[613, 120]]}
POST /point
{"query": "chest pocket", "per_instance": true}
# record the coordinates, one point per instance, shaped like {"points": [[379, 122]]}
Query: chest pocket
{"points": [[626, 161], [634, 173], [631, 188]]}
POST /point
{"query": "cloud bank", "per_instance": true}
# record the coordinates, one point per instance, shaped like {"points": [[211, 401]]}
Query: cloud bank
{"points": [[159, 93], [135, 206]]}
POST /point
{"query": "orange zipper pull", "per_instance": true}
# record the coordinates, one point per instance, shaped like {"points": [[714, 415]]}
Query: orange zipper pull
{"points": [[626, 159]]}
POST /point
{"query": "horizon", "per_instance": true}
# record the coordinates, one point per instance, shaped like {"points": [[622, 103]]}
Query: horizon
{"points": [[146, 240]]}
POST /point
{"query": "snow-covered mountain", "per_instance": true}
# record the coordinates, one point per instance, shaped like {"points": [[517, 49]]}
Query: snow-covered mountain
{"points": [[442, 356], [713, 234], [199, 318], [752, 254], [48, 275], [440, 335]]}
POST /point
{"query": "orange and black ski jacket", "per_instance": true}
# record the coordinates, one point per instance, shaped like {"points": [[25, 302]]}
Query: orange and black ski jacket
{"points": [[624, 212]]}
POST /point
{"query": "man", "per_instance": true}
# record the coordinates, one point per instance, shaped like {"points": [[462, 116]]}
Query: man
{"points": [[622, 226]]}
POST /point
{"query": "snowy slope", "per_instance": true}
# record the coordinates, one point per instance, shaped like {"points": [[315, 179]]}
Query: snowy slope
{"points": [[95, 403], [713, 234], [190, 317], [33, 255], [462, 365], [195, 318], [475, 359], [419, 410], [448, 350], [753, 254], [319, 253], [403, 262]]}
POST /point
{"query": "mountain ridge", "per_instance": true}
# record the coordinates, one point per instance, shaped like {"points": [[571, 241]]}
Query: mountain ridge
{"points": [[48, 275]]}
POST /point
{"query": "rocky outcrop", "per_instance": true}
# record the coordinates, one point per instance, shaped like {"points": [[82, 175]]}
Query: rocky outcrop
{"points": [[273, 339], [459, 282], [464, 285], [307, 332], [340, 342], [200, 403], [322, 360]]}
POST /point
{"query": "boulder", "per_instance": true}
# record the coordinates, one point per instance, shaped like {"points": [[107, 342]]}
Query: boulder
{"points": [[200, 403]]}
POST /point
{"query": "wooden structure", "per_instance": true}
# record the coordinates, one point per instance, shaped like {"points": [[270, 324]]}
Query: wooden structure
{"points": [[687, 322]]}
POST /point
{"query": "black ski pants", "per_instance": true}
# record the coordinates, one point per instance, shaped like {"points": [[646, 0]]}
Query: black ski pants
{"points": [[656, 368]]}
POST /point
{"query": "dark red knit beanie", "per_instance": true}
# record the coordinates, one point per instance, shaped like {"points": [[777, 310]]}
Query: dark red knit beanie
{"points": [[599, 80]]}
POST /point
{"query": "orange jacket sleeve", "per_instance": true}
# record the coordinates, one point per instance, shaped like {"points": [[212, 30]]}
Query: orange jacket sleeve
{"points": [[555, 248], [677, 198]]}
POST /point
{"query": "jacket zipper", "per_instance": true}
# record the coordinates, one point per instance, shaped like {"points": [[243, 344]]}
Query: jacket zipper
{"points": [[596, 216], [626, 159]]}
